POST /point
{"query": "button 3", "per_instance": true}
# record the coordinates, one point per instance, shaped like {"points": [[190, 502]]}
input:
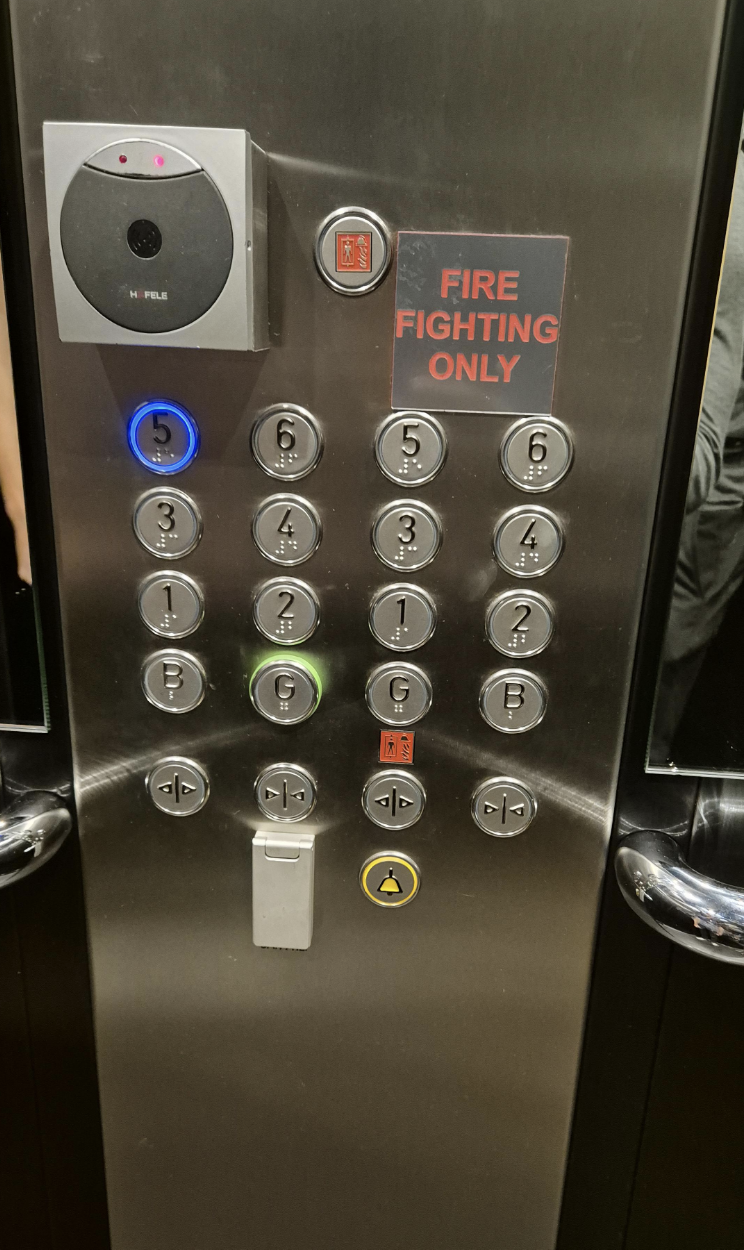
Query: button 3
{"points": [[519, 623], [286, 611], [286, 442], [178, 786], [174, 681], [163, 436], [536, 455], [285, 792], [390, 879], [503, 807], [167, 523], [393, 800], [398, 694], [171, 604], [286, 529], [353, 251], [407, 535], [513, 701], [285, 693], [528, 541], [411, 448], [402, 617]]}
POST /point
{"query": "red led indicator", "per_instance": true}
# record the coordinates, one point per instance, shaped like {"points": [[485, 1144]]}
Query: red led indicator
{"points": [[159, 161], [122, 160]]}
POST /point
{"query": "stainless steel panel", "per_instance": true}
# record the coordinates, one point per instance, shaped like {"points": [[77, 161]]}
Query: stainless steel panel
{"points": [[410, 1077]]}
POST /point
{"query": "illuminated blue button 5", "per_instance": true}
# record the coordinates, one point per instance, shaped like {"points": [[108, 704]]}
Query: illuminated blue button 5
{"points": [[163, 436]]}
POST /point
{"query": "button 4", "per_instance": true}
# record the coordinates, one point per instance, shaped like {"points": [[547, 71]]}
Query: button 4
{"points": [[528, 541], [286, 529]]}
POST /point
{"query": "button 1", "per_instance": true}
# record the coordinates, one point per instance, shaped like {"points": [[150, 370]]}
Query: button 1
{"points": [[353, 251], [406, 535], [167, 523], [528, 541], [393, 800], [286, 442], [411, 448], [171, 604], [178, 786], [513, 701], [285, 792], [519, 623], [536, 455], [398, 694], [390, 879], [286, 611], [163, 436], [174, 681], [285, 693], [503, 807], [402, 617], [286, 529]]}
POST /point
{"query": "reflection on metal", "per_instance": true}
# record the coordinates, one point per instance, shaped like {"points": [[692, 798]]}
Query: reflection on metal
{"points": [[32, 829]]}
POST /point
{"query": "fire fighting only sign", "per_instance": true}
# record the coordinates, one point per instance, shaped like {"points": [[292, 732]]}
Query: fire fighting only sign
{"points": [[477, 321]]}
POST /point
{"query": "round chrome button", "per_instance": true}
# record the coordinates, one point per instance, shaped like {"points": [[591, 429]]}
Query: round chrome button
{"points": [[163, 436], [353, 251], [503, 807], [178, 786], [167, 523], [406, 535], [285, 792], [286, 442], [411, 448], [284, 693], [286, 610], [174, 681], [171, 604], [393, 800], [390, 879], [536, 455], [398, 694], [513, 701], [286, 529], [528, 541], [519, 622], [402, 617]]}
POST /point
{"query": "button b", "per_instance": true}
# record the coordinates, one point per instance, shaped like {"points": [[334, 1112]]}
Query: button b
{"points": [[173, 681], [513, 701]]}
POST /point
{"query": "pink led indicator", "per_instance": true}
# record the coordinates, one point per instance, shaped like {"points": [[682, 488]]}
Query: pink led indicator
{"points": [[122, 160], [159, 161]]}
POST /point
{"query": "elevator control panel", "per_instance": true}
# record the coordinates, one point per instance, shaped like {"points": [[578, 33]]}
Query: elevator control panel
{"points": [[157, 235]]}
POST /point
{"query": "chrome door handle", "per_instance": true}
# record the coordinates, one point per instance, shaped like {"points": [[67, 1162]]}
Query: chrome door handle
{"points": [[693, 910], [32, 829]]}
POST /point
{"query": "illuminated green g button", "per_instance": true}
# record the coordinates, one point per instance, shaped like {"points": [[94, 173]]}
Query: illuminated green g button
{"points": [[285, 691]]}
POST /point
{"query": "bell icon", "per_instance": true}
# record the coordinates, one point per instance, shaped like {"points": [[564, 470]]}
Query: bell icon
{"points": [[390, 884]]}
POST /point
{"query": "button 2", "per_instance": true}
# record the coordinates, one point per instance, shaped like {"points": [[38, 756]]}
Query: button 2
{"points": [[286, 442], [285, 792], [536, 455], [390, 880], [411, 448], [285, 693], [393, 800], [173, 681], [528, 541], [286, 610], [503, 807], [286, 529], [402, 617], [163, 436], [519, 623], [171, 604], [513, 701], [178, 786], [167, 523], [407, 535], [398, 694]]}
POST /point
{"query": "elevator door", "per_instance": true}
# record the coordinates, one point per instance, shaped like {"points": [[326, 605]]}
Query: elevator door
{"points": [[341, 1000]]}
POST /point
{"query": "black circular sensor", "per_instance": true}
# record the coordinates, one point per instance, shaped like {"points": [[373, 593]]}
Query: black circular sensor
{"points": [[144, 238]]}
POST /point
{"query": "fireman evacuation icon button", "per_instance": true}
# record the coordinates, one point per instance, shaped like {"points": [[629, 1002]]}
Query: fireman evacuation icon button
{"points": [[353, 251], [390, 879]]}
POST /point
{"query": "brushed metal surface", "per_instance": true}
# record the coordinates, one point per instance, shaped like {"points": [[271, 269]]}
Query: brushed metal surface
{"points": [[409, 1079]]}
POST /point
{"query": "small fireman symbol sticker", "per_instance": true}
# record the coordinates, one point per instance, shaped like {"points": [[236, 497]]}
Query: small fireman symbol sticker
{"points": [[396, 747], [353, 252]]}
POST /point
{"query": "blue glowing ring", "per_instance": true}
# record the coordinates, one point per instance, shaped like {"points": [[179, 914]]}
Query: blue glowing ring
{"points": [[164, 405]]}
